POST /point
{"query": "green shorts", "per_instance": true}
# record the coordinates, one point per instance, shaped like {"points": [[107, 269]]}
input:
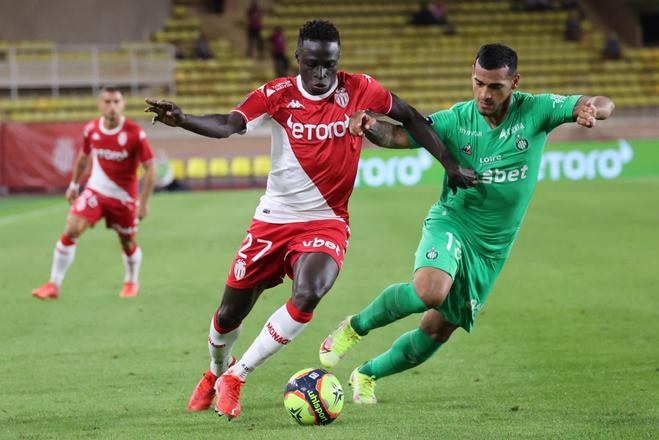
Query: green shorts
{"points": [[444, 247]]}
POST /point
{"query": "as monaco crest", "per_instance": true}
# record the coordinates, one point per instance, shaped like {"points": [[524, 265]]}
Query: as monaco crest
{"points": [[341, 97], [239, 269]]}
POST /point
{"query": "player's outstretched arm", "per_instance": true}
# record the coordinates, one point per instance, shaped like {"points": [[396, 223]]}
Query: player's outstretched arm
{"points": [[422, 132], [589, 109], [215, 126]]}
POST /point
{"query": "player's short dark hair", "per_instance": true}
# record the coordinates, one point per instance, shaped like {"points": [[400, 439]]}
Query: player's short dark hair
{"points": [[111, 89], [319, 30], [496, 56]]}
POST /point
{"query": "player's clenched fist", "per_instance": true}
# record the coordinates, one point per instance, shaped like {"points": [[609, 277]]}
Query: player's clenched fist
{"points": [[459, 177], [72, 194], [166, 112], [360, 121], [587, 116]]}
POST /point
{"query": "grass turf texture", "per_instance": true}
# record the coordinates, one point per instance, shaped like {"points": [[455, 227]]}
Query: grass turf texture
{"points": [[566, 346]]}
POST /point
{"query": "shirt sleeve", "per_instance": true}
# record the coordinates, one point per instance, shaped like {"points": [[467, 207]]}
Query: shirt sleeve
{"points": [[442, 123], [145, 153], [254, 108], [554, 110], [377, 98]]}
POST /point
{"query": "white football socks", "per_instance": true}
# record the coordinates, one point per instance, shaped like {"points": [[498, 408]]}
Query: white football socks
{"points": [[132, 265], [280, 329], [219, 347], [62, 259]]}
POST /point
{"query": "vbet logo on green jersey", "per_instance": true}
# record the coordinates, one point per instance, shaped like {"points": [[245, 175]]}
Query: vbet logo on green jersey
{"points": [[560, 161]]}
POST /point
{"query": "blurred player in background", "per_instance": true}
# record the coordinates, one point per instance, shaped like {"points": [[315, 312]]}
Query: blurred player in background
{"points": [[467, 236], [300, 227], [117, 146]]}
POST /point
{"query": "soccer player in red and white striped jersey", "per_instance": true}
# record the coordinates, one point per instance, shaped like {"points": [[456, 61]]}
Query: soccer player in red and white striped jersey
{"points": [[300, 227], [117, 146]]}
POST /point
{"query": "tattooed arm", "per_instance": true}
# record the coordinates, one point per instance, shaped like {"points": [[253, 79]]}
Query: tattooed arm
{"points": [[383, 134]]}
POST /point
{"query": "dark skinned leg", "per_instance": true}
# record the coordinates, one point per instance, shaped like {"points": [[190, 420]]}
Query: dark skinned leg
{"points": [[315, 274], [236, 304]]}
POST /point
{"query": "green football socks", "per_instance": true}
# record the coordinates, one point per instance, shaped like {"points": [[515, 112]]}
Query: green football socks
{"points": [[395, 302], [408, 351]]}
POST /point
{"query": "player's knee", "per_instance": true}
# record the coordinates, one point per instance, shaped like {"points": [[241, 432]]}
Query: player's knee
{"points": [[307, 294], [430, 295], [73, 231], [440, 333], [128, 243], [432, 289], [230, 316]]}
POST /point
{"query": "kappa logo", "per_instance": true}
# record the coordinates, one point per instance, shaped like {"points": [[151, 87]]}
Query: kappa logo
{"points": [[466, 149], [276, 336], [295, 104], [239, 269]]}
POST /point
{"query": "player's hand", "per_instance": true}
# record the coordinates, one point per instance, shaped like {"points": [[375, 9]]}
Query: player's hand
{"points": [[459, 177], [587, 115], [72, 194], [166, 112], [360, 121], [142, 211]]}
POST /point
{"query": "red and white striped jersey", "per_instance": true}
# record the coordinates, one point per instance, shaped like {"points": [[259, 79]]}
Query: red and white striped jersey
{"points": [[116, 155], [314, 156]]}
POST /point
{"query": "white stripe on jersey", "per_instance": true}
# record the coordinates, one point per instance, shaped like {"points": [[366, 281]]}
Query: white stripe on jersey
{"points": [[100, 182], [291, 196]]}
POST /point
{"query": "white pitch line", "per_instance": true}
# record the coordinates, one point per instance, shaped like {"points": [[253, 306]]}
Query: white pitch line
{"points": [[16, 218]]}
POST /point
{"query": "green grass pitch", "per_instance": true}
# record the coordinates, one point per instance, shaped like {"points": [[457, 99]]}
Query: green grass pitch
{"points": [[567, 345]]}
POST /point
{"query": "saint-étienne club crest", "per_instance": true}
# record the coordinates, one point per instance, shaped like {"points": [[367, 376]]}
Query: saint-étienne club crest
{"points": [[341, 97], [466, 149], [521, 143]]}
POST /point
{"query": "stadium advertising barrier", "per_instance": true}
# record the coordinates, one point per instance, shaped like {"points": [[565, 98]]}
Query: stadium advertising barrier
{"points": [[42, 156], [38, 156], [584, 160]]}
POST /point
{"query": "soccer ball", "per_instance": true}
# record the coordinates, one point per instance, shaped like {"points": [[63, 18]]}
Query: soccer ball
{"points": [[313, 397]]}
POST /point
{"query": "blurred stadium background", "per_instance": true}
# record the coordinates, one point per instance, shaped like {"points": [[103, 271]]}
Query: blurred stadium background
{"points": [[51, 67], [567, 346]]}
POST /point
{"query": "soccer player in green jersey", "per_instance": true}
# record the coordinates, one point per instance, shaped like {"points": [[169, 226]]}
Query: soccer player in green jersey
{"points": [[468, 234]]}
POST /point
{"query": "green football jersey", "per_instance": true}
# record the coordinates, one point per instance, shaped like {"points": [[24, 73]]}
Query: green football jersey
{"points": [[506, 159]]}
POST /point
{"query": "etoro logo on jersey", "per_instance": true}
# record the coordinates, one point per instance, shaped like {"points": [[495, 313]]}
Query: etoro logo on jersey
{"points": [[106, 154], [336, 129]]}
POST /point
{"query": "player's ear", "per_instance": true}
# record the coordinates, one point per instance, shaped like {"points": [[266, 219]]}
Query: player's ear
{"points": [[515, 81], [297, 55]]}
